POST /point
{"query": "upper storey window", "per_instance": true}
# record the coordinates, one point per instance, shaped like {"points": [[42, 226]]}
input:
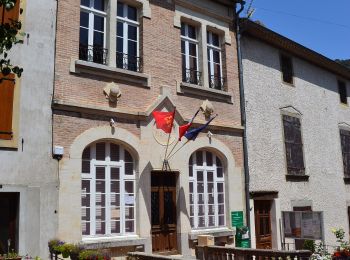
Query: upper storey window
{"points": [[287, 68], [189, 51], [92, 42], [216, 80], [342, 92], [127, 38]]}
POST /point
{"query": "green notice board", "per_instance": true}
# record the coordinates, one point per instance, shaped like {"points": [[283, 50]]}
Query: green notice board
{"points": [[237, 218]]}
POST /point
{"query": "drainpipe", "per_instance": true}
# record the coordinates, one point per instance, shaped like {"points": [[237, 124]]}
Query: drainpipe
{"points": [[243, 113]]}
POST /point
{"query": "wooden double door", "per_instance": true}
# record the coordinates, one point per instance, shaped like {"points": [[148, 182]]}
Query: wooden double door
{"points": [[9, 208], [262, 212], [163, 206]]}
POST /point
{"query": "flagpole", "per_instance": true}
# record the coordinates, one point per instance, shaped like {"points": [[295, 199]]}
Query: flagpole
{"points": [[170, 156], [171, 129], [172, 149]]}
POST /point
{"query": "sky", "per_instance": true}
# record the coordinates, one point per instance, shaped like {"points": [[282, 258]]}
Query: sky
{"points": [[323, 26]]}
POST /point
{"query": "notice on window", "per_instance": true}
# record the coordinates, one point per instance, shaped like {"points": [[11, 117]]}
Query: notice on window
{"points": [[128, 199], [307, 225], [115, 213], [287, 228]]}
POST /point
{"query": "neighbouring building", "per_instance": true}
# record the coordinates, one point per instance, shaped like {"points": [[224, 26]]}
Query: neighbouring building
{"points": [[116, 63], [28, 173], [298, 130]]}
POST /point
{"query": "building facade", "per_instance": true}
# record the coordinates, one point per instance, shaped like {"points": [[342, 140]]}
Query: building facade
{"points": [[28, 173], [116, 63], [297, 128]]}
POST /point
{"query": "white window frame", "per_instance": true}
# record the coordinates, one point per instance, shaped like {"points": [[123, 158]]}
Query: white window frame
{"points": [[108, 164], [127, 22], [211, 62], [187, 41], [205, 169], [92, 12]]}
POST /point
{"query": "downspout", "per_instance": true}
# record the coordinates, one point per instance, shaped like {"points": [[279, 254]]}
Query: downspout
{"points": [[243, 112]]}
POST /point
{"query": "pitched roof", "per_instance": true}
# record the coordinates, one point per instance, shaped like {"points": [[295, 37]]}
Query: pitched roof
{"points": [[279, 41]]}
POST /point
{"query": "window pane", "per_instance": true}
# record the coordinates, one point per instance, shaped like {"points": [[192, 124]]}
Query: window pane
{"points": [[85, 200], [85, 214], [85, 186], [120, 9], [100, 213], [132, 32], [219, 172], [85, 3], [100, 199], [129, 213], [100, 173], [115, 175], [84, 37], [115, 213], [85, 228], [183, 47], [221, 220], [84, 19], [201, 222], [216, 56], [221, 209], [218, 162], [120, 49], [99, 5], [115, 157], [132, 13], [183, 29], [193, 49], [129, 187], [193, 65], [98, 39], [191, 32], [115, 227], [129, 226], [129, 168], [215, 39], [115, 186], [199, 157], [209, 158], [120, 29], [99, 23], [128, 157], [100, 151], [115, 200], [132, 48], [221, 198], [210, 176], [220, 187], [85, 168], [211, 221], [100, 228]]}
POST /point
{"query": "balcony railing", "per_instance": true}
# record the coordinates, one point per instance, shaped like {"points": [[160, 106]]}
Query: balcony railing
{"points": [[93, 53], [192, 76], [219, 252], [216, 82], [129, 62]]}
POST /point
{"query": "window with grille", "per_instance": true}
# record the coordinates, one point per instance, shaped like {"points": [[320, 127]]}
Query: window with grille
{"points": [[207, 191], [108, 190], [287, 68], [92, 42], [293, 145], [127, 38], [216, 80], [343, 95], [345, 147], [189, 51]]}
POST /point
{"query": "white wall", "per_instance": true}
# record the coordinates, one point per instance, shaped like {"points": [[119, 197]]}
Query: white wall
{"points": [[32, 171], [315, 95]]}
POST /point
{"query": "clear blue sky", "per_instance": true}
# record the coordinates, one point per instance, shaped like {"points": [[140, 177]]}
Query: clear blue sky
{"points": [[321, 25]]}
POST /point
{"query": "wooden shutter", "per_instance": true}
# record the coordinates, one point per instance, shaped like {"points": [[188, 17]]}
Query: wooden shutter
{"points": [[345, 146], [294, 145], [342, 92], [7, 88], [11, 15]]}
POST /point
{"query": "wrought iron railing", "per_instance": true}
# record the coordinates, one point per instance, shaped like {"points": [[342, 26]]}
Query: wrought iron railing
{"points": [[216, 82], [192, 76], [219, 252], [91, 53], [129, 62]]}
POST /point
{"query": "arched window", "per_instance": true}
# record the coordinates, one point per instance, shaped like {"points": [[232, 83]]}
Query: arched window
{"points": [[108, 190], [207, 190]]}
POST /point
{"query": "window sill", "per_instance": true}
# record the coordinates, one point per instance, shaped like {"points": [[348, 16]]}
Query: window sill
{"points": [[214, 94], [217, 232], [297, 178], [107, 242], [81, 67]]}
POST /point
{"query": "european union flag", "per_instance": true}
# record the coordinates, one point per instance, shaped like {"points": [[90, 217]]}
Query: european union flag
{"points": [[193, 133]]}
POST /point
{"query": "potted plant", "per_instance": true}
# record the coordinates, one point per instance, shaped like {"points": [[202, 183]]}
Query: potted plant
{"points": [[11, 255], [343, 250], [93, 255]]}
